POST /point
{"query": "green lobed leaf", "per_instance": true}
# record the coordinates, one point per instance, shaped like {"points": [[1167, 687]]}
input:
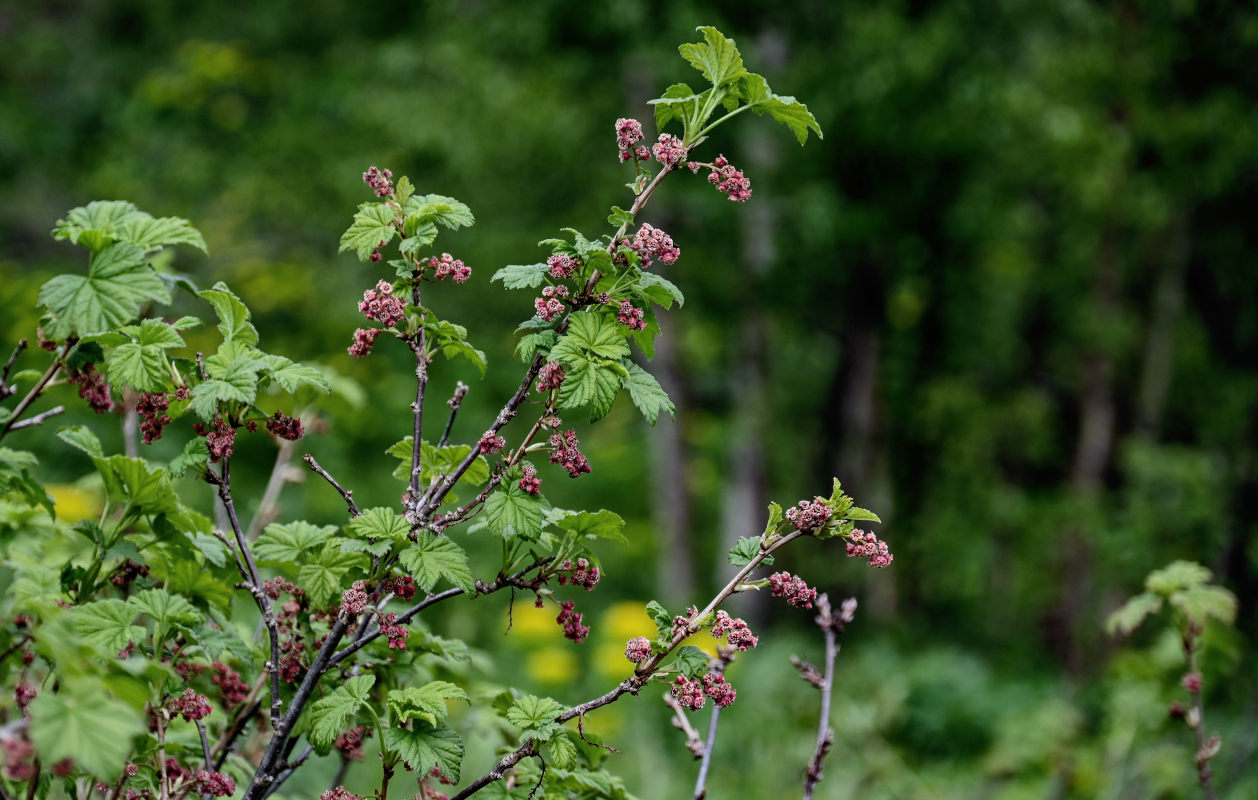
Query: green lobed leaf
{"points": [[589, 385], [1176, 576], [1201, 603], [716, 57], [324, 576], [134, 481], [96, 223], [138, 367], [83, 722], [530, 343], [425, 748], [106, 625], [677, 102], [662, 619], [619, 216], [195, 456], [510, 511], [233, 315], [426, 703], [690, 661], [522, 276], [535, 717], [331, 716], [291, 376], [602, 523], [647, 394], [597, 333], [117, 283], [380, 523], [660, 290], [166, 608], [150, 234], [292, 542], [445, 211], [82, 437], [1132, 613], [435, 557], [561, 752], [746, 549], [372, 226]]}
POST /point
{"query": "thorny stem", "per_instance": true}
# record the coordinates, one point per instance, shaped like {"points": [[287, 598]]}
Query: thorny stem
{"points": [[634, 683], [830, 625], [323, 473], [35, 391]]}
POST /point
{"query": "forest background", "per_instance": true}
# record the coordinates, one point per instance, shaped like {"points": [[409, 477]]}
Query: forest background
{"points": [[1010, 300]]}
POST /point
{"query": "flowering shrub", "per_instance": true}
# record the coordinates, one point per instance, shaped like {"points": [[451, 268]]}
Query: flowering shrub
{"points": [[131, 672]]}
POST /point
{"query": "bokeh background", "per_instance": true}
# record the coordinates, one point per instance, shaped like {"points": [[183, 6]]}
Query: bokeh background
{"points": [[1010, 300]]}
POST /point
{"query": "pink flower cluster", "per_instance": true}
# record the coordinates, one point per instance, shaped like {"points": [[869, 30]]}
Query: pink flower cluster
{"points": [[1192, 682], [92, 388], [216, 784], [364, 338], [669, 150], [447, 266], [354, 600], [23, 694], [793, 588], [491, 443], [562, 265], [350, 743], [285, 427], [863, 544], [152, 408], [581, 574], [628, 134], [715, 686], [564, 452], [221, 441], [734, 631], [549, 305], [381, 180], [382, 305], [689, 693], [638, 649], [530, 482], [396, 634], [650, 243], [403, 586], [190, 705], [630, 316], [571, 622], [808, 516], [727, 179], [339, 793], [233, 689], [550, 376]]}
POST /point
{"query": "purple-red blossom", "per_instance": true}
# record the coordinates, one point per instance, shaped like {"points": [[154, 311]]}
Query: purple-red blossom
{"points": [[190, 705], [233, 689], [382, 305], [571, 622], [564, 452], [729, 180], [23, 694], [579, 574], [1192, 682], [221, 440], [447, 266], [530, 482], [863, 544], [562, 265], [650, 243], [403, 586], [396, 634], [550, 376], [808, 516], [216, 784], [339, 793], [151, 406], [364, 338], [354, 600], [92, 388], [793, 588], [491, 443], [350, 743], [689, 693], [734, 631], [381, 180], [638, 649], [285, 427], [628, 133], [630, 316], [549, 305], [669, 150], [722, 693]]}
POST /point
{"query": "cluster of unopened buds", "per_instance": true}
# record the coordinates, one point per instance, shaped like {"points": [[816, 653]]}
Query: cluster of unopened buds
{"points": [[564, 452], [562, 265], [693, 693], [285, 427], [808, 516], [550, 376], [549, 304], [364, 339], [491, 443], [734, 631], [190, 705], [630, 316], [354, 600], [727, 178], [793, 588], [151, 406], [579, 574], [382, 305], [864, 544], [381, 180], [530, 482], [92, 387], [447, 266], [669, 150], [638, 649], [216, 784], [220, 441], [571, 622], [651, 243], [401, 586], [628, 136], [395, 633]]}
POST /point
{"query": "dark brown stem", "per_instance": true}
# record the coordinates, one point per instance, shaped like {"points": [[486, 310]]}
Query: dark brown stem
{"points": [[323, 473], [253, 582], [1206, 747], [419, 347], [7, 391], [248, 710], [13, 648], [831, 624], [462, 514], [205, 745], [455, 401], [37, 389], [384, 782], [34, 784]]}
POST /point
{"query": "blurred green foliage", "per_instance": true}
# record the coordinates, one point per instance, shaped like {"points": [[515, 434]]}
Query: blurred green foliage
{"points": [[1009, 300]]}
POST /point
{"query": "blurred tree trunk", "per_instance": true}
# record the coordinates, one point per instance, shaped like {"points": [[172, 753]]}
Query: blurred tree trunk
{"points": [[1159, 345]]}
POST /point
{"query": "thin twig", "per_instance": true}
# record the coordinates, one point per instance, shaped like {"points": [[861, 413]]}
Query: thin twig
{"points": [[831, 625], [419, 348], [455, 401], [718, 666], [205, 745], [694, 742], [6, 390], [323, 473], [37, 388], [1207, 748], [39, 419]]}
